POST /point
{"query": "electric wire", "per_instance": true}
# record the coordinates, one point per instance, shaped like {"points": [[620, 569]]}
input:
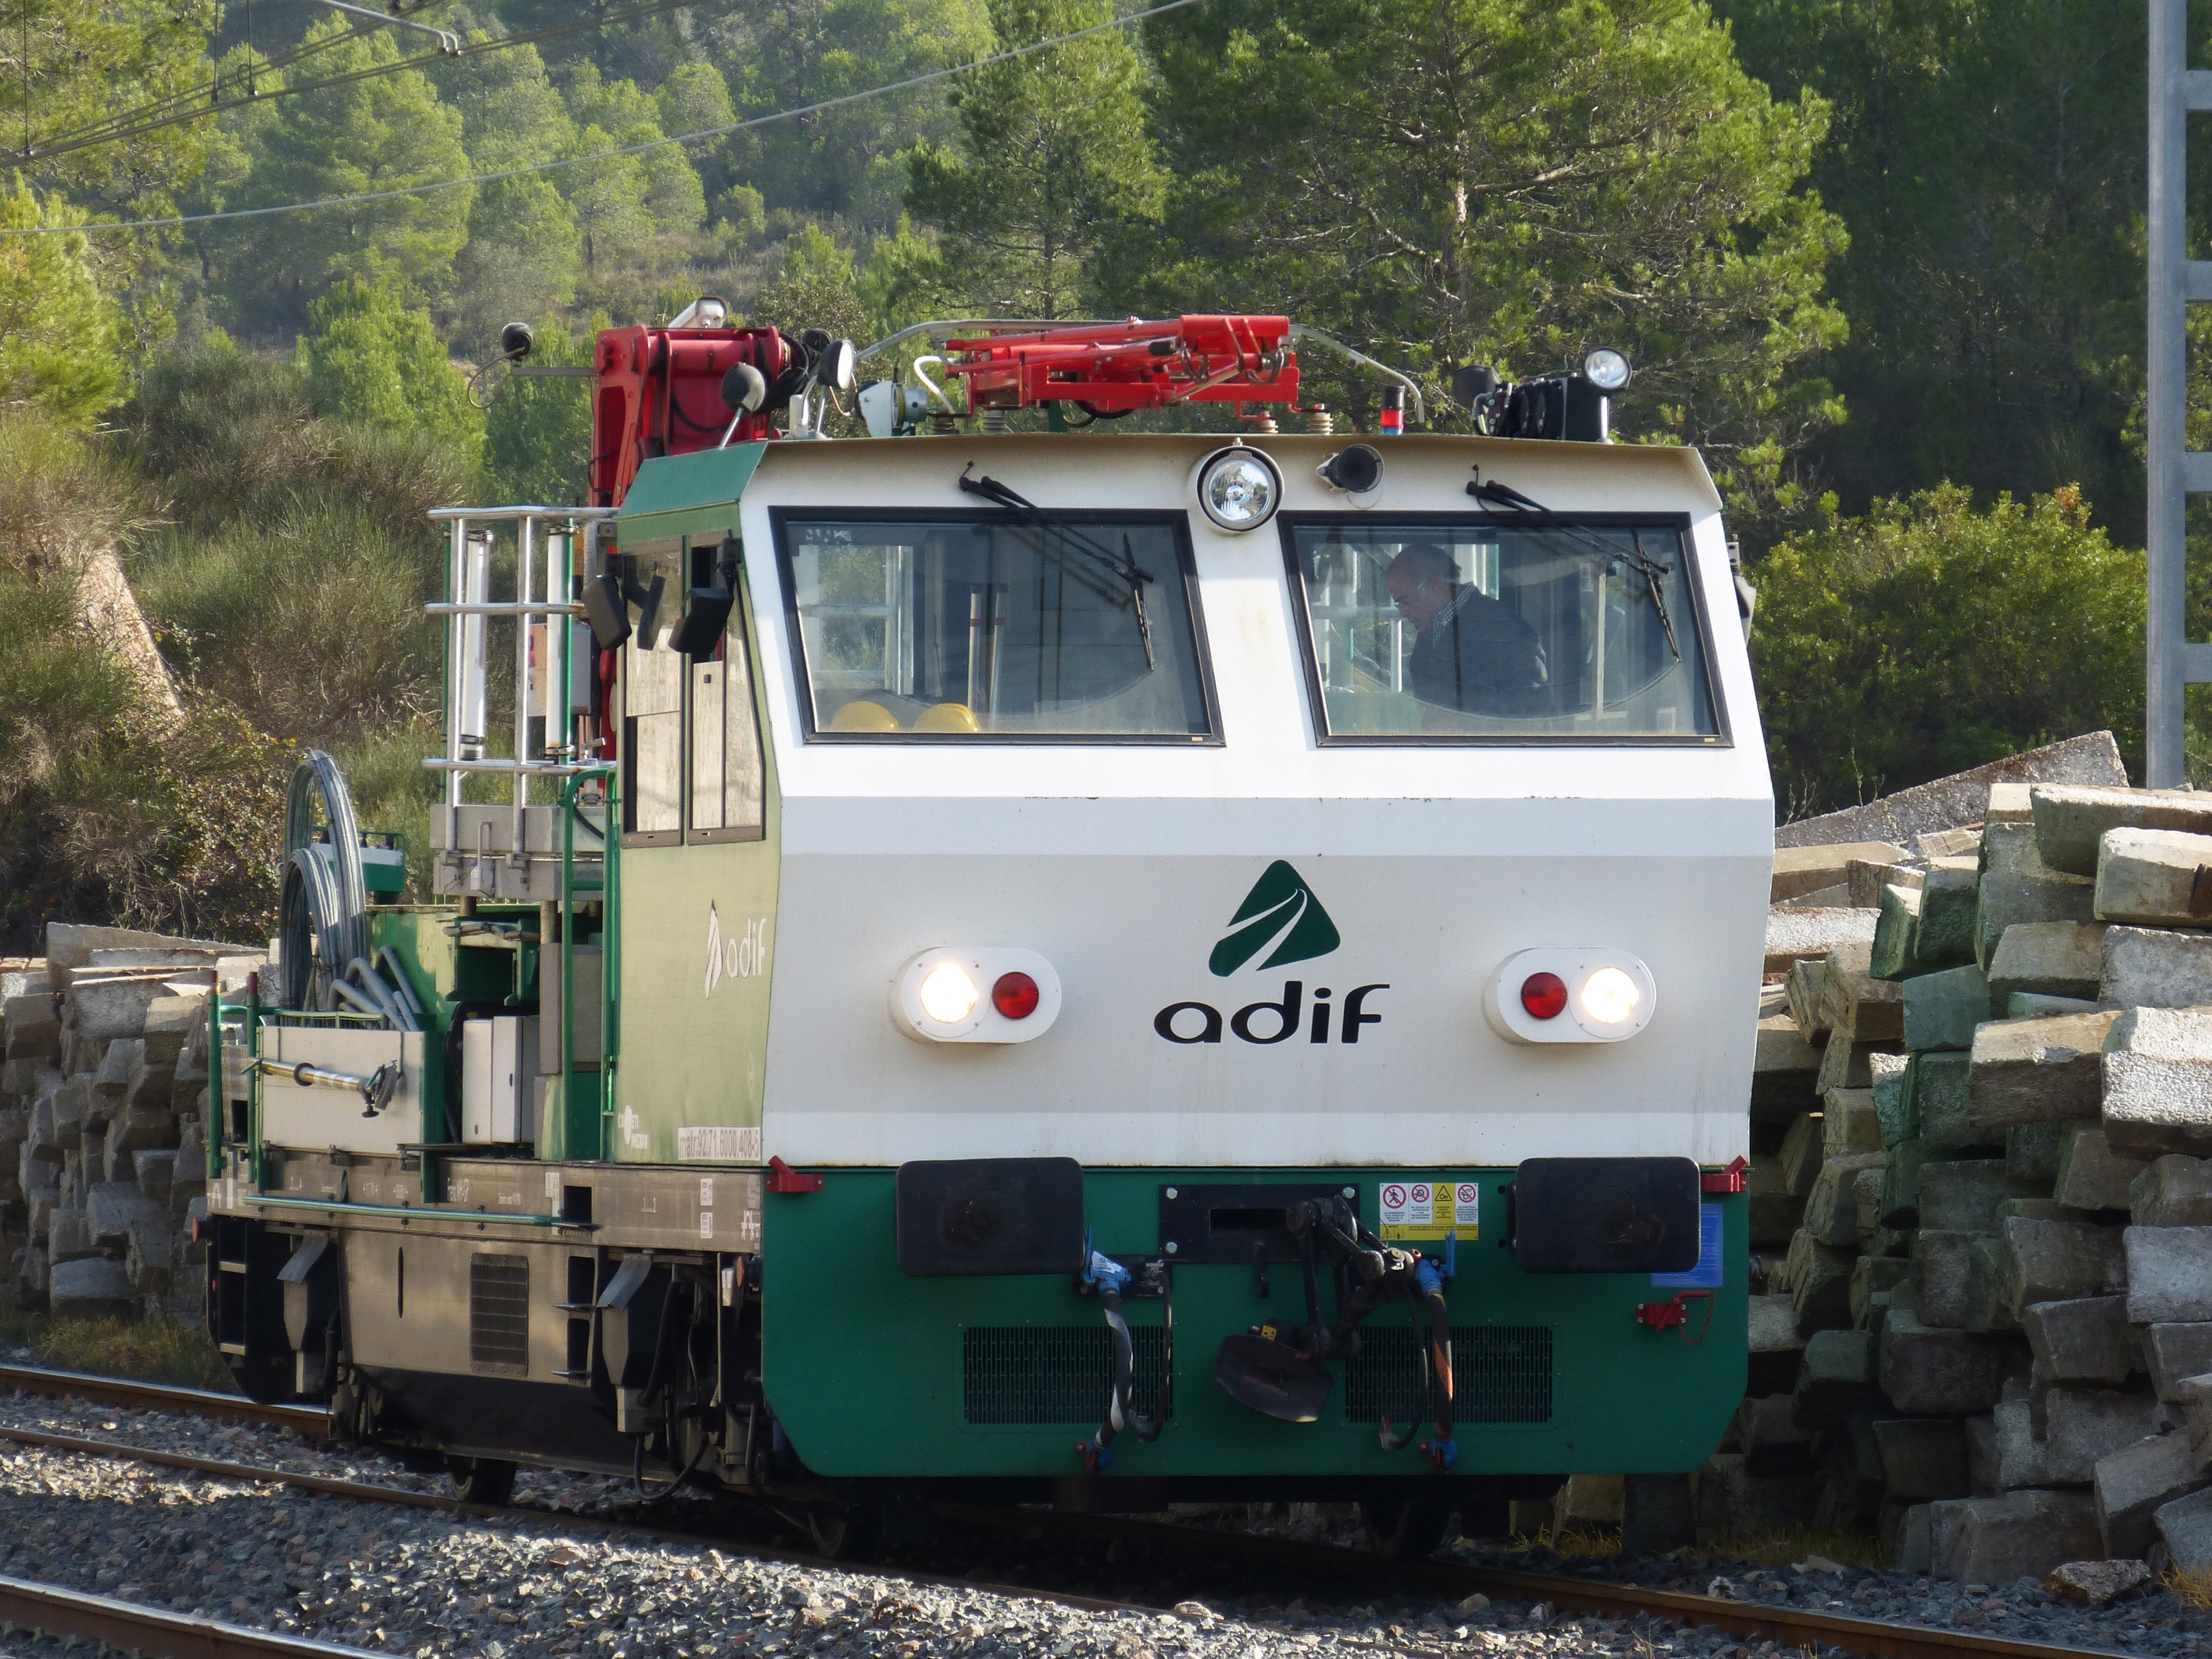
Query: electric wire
{"points": [[108, 132], [103, 130], [798, 112]]}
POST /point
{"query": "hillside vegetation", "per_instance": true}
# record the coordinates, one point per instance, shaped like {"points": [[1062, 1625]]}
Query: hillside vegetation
{"points": [[1896, 305]]}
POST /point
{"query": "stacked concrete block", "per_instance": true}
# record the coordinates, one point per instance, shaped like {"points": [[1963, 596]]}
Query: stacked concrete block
{"points": [[2001, 1276], [2041, 1372], [103, 1147]]}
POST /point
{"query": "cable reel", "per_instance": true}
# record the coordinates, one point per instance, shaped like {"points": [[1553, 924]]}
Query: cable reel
{"points": [[324, 922]]}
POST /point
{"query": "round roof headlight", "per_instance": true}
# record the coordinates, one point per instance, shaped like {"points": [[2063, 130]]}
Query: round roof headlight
{"points": [[1239, 488], [1605, 369]]}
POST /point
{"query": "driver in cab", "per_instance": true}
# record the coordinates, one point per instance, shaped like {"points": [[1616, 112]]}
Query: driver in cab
{"points": [[1473, 653]]}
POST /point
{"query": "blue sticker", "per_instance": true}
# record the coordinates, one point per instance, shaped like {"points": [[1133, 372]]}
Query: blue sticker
{"points": [[1706, 1275]]}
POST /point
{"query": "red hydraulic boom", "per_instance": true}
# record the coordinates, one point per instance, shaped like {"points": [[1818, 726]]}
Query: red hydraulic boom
{"points": [[1111, 368]]}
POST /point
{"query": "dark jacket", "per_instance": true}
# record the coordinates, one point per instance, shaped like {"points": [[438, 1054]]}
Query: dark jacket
{"points": [[1478, 657]]}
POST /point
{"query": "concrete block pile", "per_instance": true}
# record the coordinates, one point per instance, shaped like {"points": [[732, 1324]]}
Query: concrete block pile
{"points": [[1982, 1192], [103, 1132]]}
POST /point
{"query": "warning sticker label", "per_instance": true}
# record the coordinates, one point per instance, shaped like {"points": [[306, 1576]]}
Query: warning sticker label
{"points": [[1418, 1210]]}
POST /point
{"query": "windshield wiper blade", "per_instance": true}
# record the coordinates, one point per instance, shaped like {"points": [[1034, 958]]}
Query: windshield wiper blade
{"points": [[1494, 493], [1002, 494]]}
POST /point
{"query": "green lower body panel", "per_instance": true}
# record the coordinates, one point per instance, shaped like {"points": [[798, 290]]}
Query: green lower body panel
{"points": [[873, 1373]]}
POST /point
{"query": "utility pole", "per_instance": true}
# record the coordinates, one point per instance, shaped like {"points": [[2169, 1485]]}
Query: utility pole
{"points": [[2172, 664]]}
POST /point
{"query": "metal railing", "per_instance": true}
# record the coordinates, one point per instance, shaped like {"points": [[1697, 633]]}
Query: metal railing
{"points": [[467, 609]]}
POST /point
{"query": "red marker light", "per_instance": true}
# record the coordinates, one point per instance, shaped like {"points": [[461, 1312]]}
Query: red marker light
{"points": [[1015, 995], [1544, 995]]}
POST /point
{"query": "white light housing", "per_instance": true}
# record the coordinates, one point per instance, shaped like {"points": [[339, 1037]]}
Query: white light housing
{"points": [[955, 993], [1608, 996], [1239, 488], [1605, 369]]}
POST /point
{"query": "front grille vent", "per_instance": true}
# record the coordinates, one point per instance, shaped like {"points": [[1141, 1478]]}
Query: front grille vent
{"points": [[1502, 1374], [499, 1315], [1054, 1373]]}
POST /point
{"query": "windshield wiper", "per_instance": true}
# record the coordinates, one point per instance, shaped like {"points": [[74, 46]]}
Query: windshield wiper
{"points": [[1123, 564], [1505, 495]]}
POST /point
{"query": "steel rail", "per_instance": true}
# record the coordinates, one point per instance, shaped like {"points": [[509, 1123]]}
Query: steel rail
{"points": [[1873, 1638], [156, 1633], [310, 1420]]}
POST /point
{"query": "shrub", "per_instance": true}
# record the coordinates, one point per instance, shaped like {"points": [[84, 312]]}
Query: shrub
{"points": [[1931, 635]]}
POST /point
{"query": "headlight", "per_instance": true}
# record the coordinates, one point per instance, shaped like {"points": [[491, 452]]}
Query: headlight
{"points": [[1590, 995], [1239, 488], [1605, 369], [1610, 996], [938, 995], [948, 995]]}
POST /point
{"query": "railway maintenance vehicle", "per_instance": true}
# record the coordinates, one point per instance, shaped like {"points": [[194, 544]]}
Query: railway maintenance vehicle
{"points": [[1062, 965]]}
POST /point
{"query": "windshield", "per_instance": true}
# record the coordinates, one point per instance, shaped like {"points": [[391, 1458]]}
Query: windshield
{"points": [[1003, 624], [1502, 631]]}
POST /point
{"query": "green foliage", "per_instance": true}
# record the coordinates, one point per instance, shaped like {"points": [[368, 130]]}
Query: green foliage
{"points": [[60, 337], [538, 432], [1930, 636], [311, 623], [780, 54], [1506, 181], [78, 64], [1053, 158], [109, 807], [381, 132], [370, 360], [227, 434], [1990, 161]]}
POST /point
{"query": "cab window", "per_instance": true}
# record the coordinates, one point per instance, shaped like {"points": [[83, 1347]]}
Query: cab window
{"points": [[692, 769], [966, 627], [1474, 630]]}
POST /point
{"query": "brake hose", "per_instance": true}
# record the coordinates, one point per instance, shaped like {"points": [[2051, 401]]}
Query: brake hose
{"points": [[1443, 1450], [1107, 1277]]}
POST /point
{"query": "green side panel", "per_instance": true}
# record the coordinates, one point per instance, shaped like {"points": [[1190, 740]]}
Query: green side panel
{"points": [[865, 1365], [698, 937], [698, 929], [694, 495]]}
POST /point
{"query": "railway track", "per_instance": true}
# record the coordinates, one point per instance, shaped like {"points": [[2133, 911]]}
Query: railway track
{"points": [[171, 1636]]}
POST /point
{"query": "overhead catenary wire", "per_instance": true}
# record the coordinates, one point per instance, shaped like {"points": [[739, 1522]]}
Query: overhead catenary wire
{"points": [[186, 101], [165, 112], [429, 186]]}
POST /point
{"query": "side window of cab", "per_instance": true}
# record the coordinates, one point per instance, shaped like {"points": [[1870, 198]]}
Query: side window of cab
{"points": [[692, 761]]}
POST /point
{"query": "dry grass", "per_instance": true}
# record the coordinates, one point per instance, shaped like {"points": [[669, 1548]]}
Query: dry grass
{"points": [[152, 1351], [1597, 1542], [2192, 1586], [1787, 1548]]}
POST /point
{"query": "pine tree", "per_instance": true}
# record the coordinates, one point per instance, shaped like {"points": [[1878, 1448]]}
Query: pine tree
{"points": [[375, 362], [60, 335], [1510, 182], [380, 133], [1052, 158]]}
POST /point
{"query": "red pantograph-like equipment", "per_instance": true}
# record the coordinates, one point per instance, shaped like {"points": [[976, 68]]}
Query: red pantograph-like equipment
{"points": [[1111, 368]]}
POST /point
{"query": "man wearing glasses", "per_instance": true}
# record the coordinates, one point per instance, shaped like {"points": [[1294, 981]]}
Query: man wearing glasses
{"points": [[1473, 653]]}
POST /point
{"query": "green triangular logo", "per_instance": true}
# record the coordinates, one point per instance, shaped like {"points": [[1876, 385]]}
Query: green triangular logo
{"points": [[1281, 903]]}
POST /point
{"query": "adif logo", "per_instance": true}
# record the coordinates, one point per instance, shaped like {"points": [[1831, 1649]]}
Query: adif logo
{"points": [[743, 957], [1280, 906], [1283, 912]]}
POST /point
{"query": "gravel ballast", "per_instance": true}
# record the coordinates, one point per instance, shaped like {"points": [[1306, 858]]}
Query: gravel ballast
{"points": [[426, 1583]]}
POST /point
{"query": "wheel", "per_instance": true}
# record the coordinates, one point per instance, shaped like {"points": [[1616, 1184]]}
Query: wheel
{"points": [[847, 1533], [1404, 1528], [486, 1481]]}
